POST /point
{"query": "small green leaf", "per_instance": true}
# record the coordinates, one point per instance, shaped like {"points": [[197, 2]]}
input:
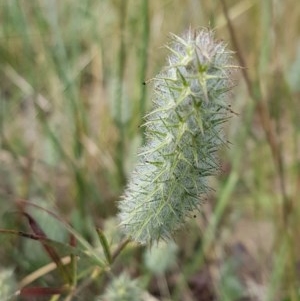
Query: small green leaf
{"points": [[105, 246]]}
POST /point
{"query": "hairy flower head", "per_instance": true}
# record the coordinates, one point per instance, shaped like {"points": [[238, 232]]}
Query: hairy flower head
{"points": [[184, 132]]}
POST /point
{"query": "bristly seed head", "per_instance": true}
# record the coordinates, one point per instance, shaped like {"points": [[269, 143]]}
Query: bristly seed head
{"points": [[184, 132]]}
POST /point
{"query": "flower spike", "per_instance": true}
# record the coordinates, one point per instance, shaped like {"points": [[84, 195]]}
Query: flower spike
{"points": [[184, 132]]}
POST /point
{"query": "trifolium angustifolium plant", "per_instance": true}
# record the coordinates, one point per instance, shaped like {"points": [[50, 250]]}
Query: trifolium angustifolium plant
{"points": [[122, 288], [161, 257], [184, 133]]}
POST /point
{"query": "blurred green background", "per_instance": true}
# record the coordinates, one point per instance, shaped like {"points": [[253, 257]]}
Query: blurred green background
{"points": [[73, 97]]}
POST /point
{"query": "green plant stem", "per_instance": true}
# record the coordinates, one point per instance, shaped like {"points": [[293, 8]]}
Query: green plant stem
{"points": [[144, 60], [119, 93]]}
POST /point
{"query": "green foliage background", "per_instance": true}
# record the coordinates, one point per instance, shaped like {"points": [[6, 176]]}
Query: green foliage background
{"points": [[72, 99]]}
